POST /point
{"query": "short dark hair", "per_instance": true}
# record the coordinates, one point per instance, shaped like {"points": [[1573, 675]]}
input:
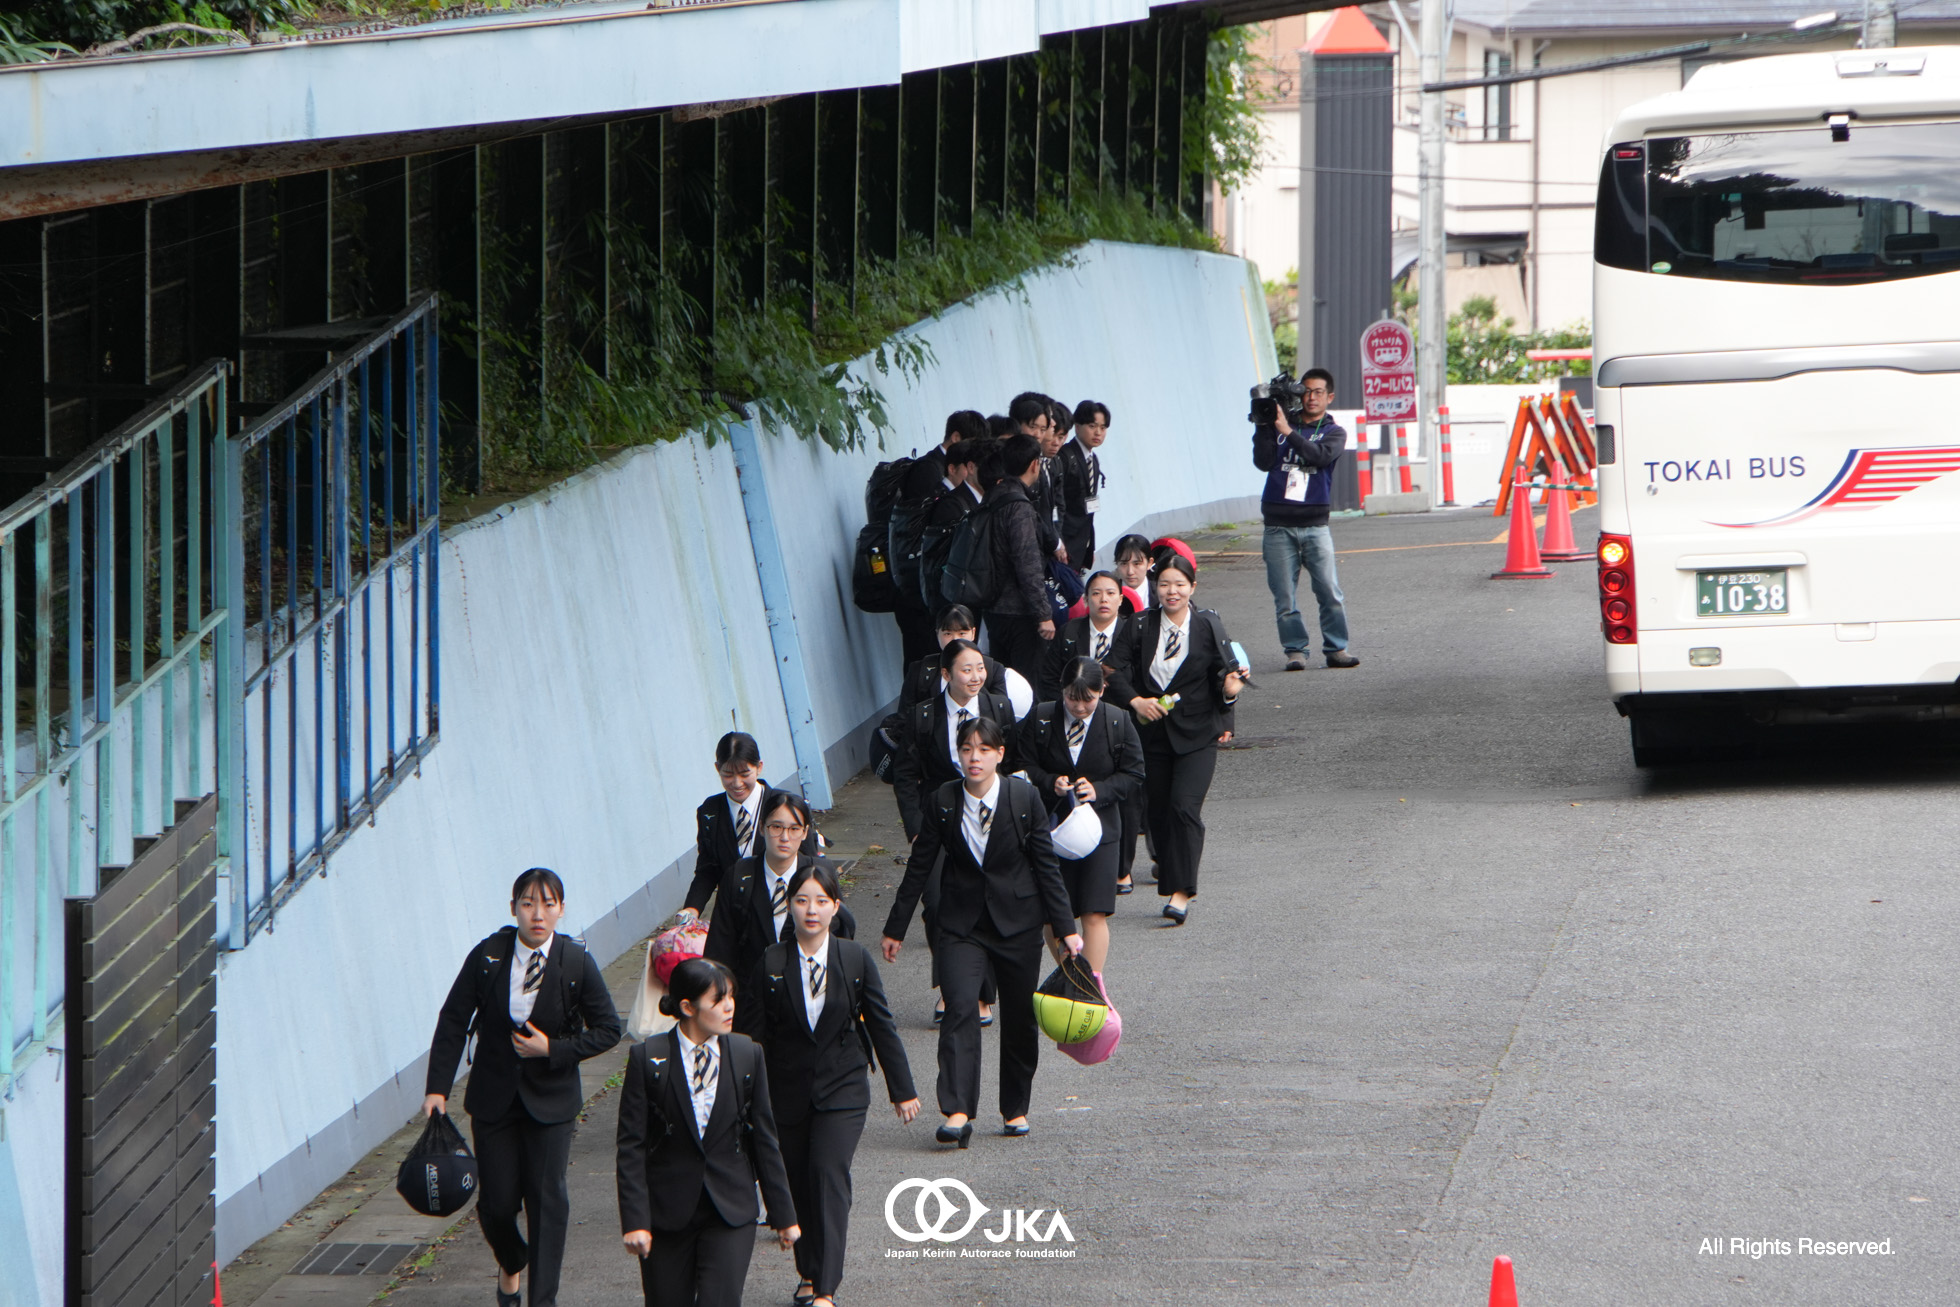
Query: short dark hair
{"points": [[1000, 425], [1104, 575], [957, 618], [967, 424], [1017, 452], [1132, 546], [737, 749], [539, 878], [951, 653], [986, 730], [1091, 409], [1059, 414], [1083, 678], [1029, 405], [1169, 560], [1318, 374], [969, 449], [820, 872], [692, 979], [775, 799]]}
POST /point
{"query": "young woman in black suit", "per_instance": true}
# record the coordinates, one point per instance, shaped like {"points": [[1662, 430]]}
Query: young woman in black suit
{"points": [[1000, 886], [822, 1012], [928, 757], [1184, 652], [696, 1136], [1080, 747], [726, 825], [753, 897]]}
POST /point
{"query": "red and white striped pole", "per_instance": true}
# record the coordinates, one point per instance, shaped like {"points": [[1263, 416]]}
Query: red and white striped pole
{"points": [[1402, 458], [1443, 452], [1364, 461]]}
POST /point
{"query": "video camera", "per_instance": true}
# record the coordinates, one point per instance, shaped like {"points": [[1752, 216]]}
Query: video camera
{"points": [[1282, 393]]}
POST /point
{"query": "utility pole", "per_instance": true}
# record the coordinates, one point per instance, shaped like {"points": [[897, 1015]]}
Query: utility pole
{"points": [[1432, 310], [1309, 211], [1881, 24]]}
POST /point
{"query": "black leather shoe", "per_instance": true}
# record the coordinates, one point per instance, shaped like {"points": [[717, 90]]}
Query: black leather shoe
{"points": [[801, 1299], [1126, 887], [1015, 1131], [1176, 915], [938, 1015], [945, 1134], [510, 1299]]}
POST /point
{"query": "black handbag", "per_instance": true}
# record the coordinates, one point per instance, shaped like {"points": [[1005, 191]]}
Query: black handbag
{"points": [[438, 1177]]}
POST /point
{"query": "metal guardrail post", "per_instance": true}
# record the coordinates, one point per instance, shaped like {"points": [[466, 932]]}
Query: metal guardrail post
{"points": [[774, 579]]}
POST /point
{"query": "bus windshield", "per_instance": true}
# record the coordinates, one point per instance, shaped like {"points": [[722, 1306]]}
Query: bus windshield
{"points": [[1793, 206]]}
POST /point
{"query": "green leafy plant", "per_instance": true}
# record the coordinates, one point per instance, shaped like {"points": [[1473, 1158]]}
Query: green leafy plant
{"points": [[1485, 348], [1224, 131]]}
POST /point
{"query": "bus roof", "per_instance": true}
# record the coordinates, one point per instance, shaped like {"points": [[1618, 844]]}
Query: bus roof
{"points": [[1799, 89]]}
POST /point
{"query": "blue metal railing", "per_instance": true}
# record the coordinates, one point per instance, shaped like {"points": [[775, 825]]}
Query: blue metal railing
{"points": [[336, 575], [111, 685]]}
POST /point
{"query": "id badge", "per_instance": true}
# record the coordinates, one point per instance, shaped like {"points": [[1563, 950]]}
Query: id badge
{"points": [[1092, 503], [1296, 484]]}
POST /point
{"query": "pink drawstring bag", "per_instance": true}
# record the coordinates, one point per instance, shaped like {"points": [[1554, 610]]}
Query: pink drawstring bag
{"points": [[1097, 1047]]}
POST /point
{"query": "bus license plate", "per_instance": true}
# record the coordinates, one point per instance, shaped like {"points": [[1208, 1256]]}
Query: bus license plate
{"points": [[1742, 594]]}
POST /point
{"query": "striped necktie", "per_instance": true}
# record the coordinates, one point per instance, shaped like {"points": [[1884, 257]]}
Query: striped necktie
{"points": [[986, 820], [964, 718], [1077, 728], [744, 829], [701, 1069], [816, 977], [779, 897], [1172, 639], [1102, 645], [534, 972]]}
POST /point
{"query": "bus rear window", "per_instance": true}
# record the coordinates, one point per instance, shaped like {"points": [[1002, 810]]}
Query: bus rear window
{"points": [[1798, 207]]}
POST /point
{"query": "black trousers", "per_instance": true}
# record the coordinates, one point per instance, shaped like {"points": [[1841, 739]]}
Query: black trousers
{"points": [[1127, 840], [915, 631], [1176, 784], [964, 960], [704, 1265], [818, 1151], [522, 1161], [929, 915], [1016, 641]]}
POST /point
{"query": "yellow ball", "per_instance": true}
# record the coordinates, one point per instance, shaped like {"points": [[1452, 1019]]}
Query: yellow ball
{"points": [[1067, 1021]]}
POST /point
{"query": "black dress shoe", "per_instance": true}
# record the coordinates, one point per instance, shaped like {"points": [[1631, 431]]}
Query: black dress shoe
{"points": [[938, 1015], [1015, 1131], [945, 1134], [1176, 915], [804, 1299], [510, 1299], [1126, 887]]}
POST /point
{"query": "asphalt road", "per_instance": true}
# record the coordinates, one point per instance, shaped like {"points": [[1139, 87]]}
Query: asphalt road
{"points": [[1459, 982]]}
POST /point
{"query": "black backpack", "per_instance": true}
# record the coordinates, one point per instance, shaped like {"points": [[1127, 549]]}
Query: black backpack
{"points": [[881, 491], [968, 576], [493, 951], [873, 588]]}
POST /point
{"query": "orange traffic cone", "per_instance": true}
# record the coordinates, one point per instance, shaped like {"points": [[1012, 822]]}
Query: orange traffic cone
{"points": [[1503, 1289], [1559, 547], [1521, 561]]}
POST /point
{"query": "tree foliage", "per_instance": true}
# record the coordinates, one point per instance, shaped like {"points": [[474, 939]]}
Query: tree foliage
{"points": [[66, 26], [1224, 132], [1484, 348]]}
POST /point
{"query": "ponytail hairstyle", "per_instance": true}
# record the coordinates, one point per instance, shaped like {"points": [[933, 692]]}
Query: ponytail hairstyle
{"points": [[784, 799], [737, 749], [692, 980], [821, 873], [1169, 560], [1082, 678]]}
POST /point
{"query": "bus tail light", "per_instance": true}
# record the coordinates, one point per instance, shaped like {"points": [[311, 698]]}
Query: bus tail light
{"points": [[1616, 602]]}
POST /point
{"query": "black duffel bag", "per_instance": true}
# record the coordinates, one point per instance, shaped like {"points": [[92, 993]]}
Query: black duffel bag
{"points": [[438, 1177]]}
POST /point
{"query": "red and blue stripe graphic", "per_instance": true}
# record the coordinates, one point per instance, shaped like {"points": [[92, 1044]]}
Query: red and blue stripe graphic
{"points": [[1870, 478]]}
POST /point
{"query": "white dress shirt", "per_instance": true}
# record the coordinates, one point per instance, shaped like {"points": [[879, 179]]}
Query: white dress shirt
{"points": [[704, 1097], [976, 839], [1106, 635], [1162, 668], [813, 1003], [953, 724], [753, 806], [522, 1004]]}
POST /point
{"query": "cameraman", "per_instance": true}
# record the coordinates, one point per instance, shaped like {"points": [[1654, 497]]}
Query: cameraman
{"points": [[1297, 453]]}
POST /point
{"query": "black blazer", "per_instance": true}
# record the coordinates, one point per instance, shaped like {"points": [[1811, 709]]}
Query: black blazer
{"points": [[663, 1165], [922, 681], [1201, 713], [1073, 639], [743, 927], [1112, 757], [1081, 482], [574, 1010], [1018, 883], [924, 764], [824, 1069], [715, 850]]}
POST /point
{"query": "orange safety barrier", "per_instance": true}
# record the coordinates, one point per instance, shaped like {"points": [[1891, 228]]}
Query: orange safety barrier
{"points": [[1553, 432]]}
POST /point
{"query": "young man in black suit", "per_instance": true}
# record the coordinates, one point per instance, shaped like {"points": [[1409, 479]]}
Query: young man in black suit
{"points": [[539, 1006], [999, 886], [1020, 618], [1082, 482], [925, 482]]}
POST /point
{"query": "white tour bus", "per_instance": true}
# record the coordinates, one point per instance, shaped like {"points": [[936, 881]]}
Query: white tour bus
{"points": [[1777, 358]]}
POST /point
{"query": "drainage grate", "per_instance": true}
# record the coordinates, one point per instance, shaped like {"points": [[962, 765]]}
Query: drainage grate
{"points": [[353, 1259]]}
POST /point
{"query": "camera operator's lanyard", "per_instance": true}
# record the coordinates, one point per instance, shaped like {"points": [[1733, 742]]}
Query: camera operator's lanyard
{"points": [[1297, 477]]}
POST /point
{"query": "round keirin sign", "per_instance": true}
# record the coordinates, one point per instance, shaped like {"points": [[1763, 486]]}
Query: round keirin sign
{"points": [[1388, 347]]}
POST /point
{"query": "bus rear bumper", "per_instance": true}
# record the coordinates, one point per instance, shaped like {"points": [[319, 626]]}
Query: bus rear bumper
{"points": [[1832, 659]]}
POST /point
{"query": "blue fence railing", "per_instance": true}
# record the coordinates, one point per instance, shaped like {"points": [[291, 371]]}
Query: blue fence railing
{"points": [[335, 494], [110, 620]]}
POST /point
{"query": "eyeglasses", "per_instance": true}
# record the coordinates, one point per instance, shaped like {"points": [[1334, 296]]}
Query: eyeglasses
{"points": [[1316, 390], [777, 828]]}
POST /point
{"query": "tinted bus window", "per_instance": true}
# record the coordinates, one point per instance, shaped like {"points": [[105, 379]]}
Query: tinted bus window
{"points": [[1620, 217], [1798, 207]]}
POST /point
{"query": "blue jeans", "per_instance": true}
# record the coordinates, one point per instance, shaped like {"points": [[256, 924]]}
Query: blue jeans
{"points": [[1287, 550]]}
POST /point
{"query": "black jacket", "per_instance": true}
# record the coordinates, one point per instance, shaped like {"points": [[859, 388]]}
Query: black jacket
{"points": [[825, 1069], [663, 1165], [923, 681], [1082, 480], [1112, 757], [715, 850], [1018, 883], [924, 764], [1201, 713], [574, 1010], [1074, 639], [1046, 496], [1316, 451], [743, 927], [1020, 558]]}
